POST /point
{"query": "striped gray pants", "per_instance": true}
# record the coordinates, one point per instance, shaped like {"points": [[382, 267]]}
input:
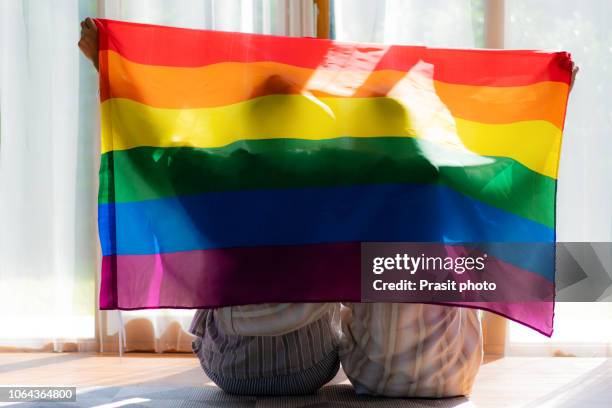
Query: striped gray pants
{"points": [[299, 362]]}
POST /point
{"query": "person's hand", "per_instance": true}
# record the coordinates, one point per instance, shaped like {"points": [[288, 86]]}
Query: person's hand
{"points": [[89, 40], [575, 70]]}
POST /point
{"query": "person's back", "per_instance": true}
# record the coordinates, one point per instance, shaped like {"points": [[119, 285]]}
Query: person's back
{"points": [[268, 349], [410, 350]]}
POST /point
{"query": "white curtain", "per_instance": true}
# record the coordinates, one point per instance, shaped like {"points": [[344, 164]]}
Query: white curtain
{"points": [[584, 29], [47, 178], [439, 23], [585, 177], [49, 251], [280, 17]]}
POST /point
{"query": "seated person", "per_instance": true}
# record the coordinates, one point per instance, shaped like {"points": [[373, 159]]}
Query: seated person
{"points": [[410, 350], [268, 349]]}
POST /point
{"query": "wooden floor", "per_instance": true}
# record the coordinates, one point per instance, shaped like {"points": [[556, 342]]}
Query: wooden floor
{"points": [[136, 379]]}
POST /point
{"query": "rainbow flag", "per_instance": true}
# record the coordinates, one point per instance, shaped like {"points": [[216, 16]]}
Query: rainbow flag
{"points": [[241, 168]]}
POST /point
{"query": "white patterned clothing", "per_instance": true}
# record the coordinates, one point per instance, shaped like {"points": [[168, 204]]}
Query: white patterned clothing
{"points": [[410, 350]]}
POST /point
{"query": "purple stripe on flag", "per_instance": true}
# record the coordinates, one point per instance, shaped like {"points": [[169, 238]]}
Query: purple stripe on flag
{"points": [[310, 273], [232, 276]]}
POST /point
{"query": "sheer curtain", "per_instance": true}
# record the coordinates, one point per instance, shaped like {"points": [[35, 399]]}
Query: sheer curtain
{"points": [[49, 256], [433, 22], [584, 29], [47, 178], [585, 177]]}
